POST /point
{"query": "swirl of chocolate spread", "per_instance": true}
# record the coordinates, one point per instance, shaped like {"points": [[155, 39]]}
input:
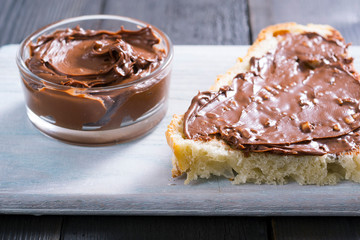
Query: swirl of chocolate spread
{"points": [[301, 98], [90, 67], [89, 58]]}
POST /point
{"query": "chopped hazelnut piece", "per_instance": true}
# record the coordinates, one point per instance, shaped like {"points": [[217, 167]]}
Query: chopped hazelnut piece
{"points": [[225, 108], [303, 102], [349, 100], [313, 63], [253, 130], [336, 127], [293, 117], [349, 120], [339, 101], [271, 90], [306, 127], [269, 123], [211, 115], [245, 133], [278, 87]]}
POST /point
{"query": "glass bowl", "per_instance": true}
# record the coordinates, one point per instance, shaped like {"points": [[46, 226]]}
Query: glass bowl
{"points": [[98, 115]]}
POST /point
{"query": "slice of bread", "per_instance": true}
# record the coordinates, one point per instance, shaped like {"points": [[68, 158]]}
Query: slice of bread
{"points": [[202, 159]]}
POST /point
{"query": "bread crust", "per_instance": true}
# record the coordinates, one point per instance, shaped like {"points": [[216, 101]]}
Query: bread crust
{"points": [[203, 159]]}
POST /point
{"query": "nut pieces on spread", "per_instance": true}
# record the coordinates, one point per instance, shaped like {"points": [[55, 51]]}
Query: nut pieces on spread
{"points": [[305, 104]]}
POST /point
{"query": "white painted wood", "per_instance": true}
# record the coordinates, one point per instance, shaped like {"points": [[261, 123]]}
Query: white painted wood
{"points": [[39, 175]]}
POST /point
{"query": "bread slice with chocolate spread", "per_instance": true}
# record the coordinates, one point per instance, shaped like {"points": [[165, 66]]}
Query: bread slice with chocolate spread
{"points": [[319, 147]]}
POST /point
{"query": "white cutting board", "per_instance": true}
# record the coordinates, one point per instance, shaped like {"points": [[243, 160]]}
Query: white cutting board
{"points": [[40, 175]]}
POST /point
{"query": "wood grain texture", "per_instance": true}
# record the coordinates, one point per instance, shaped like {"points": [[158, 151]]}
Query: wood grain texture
{"points": [[344, 16], [188, 21], [21, 17], [164, 228], [303, 228], [30, 227]]}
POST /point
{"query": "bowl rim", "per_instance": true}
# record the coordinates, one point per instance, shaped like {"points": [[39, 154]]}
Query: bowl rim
{"points": [[24, 44]]}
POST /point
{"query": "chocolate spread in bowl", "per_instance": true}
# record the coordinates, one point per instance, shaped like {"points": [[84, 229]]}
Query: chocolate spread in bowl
{"points": [[96, 79], [301, 98]]}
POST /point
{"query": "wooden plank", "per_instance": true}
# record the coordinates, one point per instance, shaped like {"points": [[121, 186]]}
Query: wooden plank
{"points": [[39, 175], [190, 22], [76, 227], [298, 228], [20, 18], [182, 20], [343, 16], [30, 227]]}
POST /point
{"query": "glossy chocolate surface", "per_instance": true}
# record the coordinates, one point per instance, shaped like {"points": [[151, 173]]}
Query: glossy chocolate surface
{"points": [[89, 58], [93, 78], [302, 98]]}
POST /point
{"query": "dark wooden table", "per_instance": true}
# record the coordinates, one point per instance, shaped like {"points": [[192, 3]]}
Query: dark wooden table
{"points": [[186, 22]]}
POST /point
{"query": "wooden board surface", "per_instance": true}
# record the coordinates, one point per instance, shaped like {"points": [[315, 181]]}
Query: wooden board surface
{"points": [[21, 17], [39, 175]]}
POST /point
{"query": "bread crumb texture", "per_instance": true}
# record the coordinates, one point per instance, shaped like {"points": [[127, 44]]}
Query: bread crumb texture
{"points": [[201, 159]]}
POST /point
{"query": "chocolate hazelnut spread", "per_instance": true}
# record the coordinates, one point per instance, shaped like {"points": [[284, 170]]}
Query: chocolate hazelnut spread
{"points": [[301, 98], [93, 79]]}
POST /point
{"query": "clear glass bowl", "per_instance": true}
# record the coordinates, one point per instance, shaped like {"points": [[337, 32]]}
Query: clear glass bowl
{"points": [[127, 111]]}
